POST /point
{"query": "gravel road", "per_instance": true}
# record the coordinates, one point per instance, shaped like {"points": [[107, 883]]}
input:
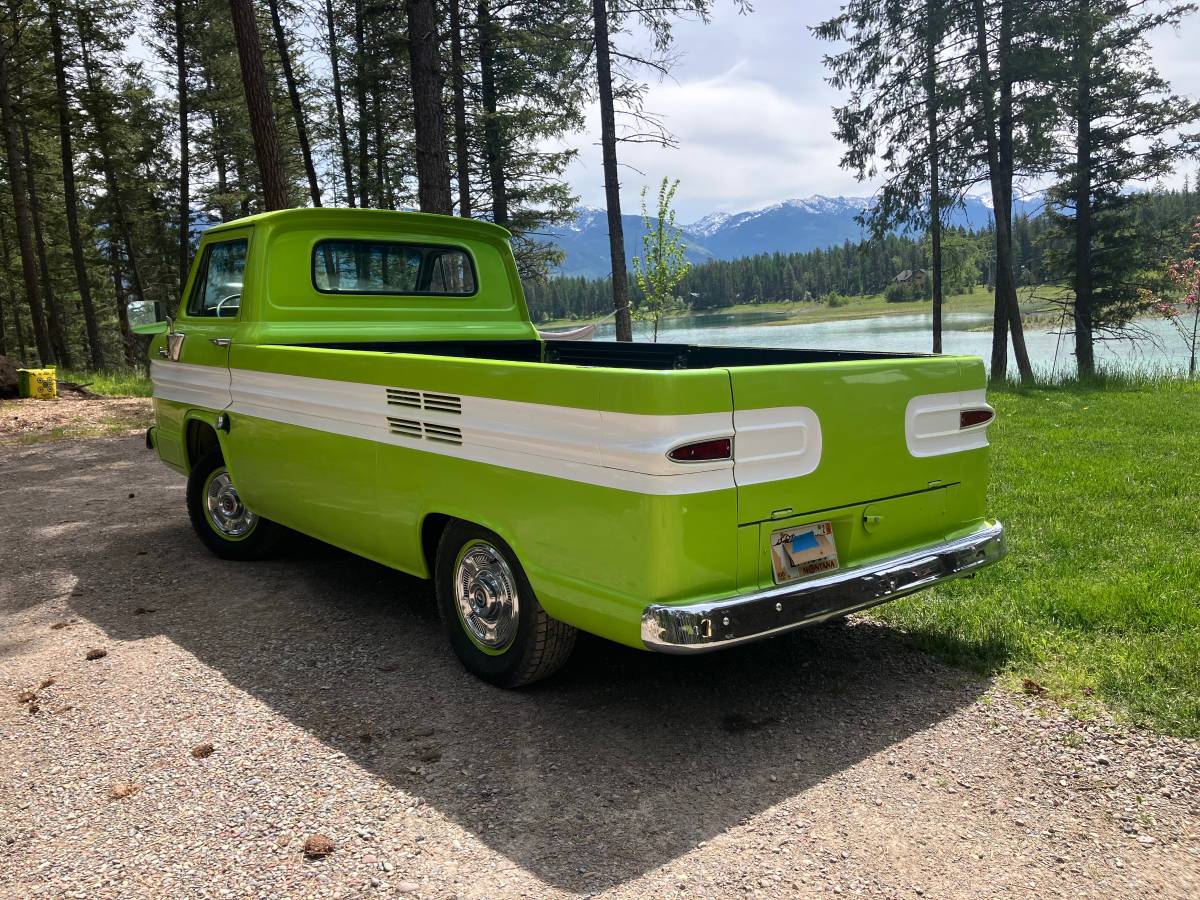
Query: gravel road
{"points": [[834, 761]]}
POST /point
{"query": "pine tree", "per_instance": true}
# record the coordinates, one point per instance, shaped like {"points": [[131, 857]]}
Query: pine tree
{"points": [[267, 149], [609, 17], [433, 168], [70, 197], [343, 138], [902, 57], [293, 90], [1123, 125], [17, 181]]}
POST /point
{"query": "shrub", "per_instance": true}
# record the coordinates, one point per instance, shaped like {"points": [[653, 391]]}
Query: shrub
{"points": [[906, 291]]}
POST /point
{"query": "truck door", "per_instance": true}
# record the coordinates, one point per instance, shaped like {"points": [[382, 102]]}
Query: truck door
{"points": [[191, 369]]}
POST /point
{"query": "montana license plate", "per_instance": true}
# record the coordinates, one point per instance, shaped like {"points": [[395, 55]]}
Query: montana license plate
{"points": [[803, 551]]}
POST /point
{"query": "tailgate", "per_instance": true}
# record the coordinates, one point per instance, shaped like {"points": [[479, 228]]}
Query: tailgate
{"points": [[818, 436]]}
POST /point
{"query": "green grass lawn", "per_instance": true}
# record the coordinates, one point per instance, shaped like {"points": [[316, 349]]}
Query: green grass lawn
{"points": [[1099, 598], [115, 383]]}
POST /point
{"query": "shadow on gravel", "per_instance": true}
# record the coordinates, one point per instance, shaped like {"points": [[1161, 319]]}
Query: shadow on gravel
{"points": [[620, 764]]}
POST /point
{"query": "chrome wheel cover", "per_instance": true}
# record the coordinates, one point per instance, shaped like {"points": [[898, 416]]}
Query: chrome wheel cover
{"points": [[486, 593], [226, 512]]}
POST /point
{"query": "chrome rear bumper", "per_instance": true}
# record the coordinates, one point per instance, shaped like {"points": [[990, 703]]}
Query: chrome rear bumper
{"points": [[698, 627]]}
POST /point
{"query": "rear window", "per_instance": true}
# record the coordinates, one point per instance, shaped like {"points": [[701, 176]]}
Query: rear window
{"points": [[386, 267]]}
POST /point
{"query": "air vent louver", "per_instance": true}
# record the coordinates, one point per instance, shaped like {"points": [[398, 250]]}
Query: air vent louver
{"points": [[398, 397], [406, 427], [434, 403], [443, 403], [443, 433]]}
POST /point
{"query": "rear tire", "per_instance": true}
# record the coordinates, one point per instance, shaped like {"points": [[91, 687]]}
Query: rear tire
{"points": [[221, 520], [493, 619]]}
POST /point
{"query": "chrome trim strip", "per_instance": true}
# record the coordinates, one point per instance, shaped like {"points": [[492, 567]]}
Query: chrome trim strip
{"points": [[699, 627]]}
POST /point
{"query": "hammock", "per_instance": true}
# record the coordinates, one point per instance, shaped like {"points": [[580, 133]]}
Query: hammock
{"points": [[575, 334], [583, 333]]}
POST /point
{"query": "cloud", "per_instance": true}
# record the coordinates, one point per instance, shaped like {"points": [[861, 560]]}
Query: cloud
{"points": [[752, 112], [742, 142]]}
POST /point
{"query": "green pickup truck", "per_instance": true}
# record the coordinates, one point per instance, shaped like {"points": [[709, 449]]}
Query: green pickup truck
{"points": [[372, 379]]}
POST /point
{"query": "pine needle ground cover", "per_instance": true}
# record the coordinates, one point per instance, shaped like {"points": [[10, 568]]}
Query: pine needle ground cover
{"points": [[1098, 601]]}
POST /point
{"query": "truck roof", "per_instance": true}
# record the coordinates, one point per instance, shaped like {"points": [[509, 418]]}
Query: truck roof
{"points": [[402, 219]]}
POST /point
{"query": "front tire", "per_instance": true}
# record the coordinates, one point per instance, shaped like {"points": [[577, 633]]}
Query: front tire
{"points": [[223, 523], [493, 619]]}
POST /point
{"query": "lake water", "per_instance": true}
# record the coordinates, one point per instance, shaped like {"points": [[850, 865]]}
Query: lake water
{"points": [[1159, 349]]}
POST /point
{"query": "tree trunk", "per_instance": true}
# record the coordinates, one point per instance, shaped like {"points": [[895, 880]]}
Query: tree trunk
{"points": [[612, 185], [185, 190], [70, 201], [54, 313], [1004, 73], [339, 105], [1084, 350], [383, 193], [111, 184], [258, 104], [222, 166], [360, 100], [243, 188], [1005, 288], [18, 332], [24, 227], [9, 298], [462, 157], [433, 168], [289, 76], [493, 148], [127, 341], [3, 316], [932, 31]]}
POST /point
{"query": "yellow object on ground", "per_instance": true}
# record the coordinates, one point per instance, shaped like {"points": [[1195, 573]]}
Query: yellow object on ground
{"points": [[40, 384]]}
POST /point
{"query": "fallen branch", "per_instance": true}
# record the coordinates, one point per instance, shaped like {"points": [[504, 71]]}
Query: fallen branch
{"points": [[77, 388]]}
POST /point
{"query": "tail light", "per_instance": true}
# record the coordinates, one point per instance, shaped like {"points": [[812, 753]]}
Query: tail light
{"points": [[970, 418], [703, 451]]}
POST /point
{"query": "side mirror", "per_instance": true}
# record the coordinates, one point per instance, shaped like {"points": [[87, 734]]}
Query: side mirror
{"points": [[146, 317]]}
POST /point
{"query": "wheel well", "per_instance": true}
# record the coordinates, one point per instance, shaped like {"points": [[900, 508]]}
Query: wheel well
{"points": [[201, 440], [431, 533]]}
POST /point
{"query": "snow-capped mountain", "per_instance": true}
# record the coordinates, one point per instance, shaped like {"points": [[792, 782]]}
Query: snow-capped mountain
{"points": [[790, 226]]}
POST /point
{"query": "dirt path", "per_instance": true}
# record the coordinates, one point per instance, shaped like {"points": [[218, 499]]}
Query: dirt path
{"points": [[832, 761], [72, 416]]}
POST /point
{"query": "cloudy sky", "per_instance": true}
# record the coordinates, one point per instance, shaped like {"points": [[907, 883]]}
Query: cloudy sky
{"points": [[750, 108]]}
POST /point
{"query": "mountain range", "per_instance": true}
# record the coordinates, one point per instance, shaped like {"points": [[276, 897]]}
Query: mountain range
{"points": [[791, 226]]}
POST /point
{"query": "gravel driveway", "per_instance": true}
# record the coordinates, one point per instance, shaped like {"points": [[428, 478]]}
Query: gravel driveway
{"points": [[836, 760]]}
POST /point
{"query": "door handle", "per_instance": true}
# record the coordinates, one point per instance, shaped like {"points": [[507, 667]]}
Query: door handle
{"points": [[221, 342]]}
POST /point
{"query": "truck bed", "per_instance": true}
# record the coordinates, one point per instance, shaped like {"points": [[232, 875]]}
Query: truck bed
{"points": [[616, 355]]}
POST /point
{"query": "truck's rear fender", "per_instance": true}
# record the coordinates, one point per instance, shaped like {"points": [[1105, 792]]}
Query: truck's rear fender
{"points": [[594, 556]]}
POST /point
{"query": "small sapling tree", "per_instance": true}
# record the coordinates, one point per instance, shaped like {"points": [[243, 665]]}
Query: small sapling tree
{"points": [[1184, 277], [658, 274]]}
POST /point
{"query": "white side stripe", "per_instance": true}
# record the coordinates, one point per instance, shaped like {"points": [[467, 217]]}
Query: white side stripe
{"points": [[562, 442], [626, 451], [206, 386]]}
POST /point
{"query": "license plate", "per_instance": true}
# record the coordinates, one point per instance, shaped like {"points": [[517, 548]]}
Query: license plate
{"points": [[803, 551]]}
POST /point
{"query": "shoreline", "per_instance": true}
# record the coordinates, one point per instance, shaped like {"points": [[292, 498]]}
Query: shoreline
{"points": [[868, 307]]}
